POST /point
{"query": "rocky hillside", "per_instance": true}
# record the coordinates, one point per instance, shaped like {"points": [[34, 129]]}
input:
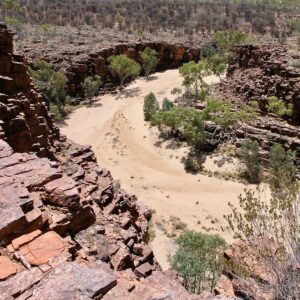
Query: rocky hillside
{"points": [[256, 72], [77, 66], [67, 229]]}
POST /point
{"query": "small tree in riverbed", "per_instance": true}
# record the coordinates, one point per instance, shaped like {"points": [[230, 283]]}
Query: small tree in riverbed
{"points": [[151, 106], [124, 67], [149, 59], [91, 86]]}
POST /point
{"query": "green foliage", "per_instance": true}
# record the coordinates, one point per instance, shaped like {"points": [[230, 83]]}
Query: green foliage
{"points": [[279, 107], [45, 27], [218, 64], [124, 67], [12, 5], [140, 32], [176, 91], [149, 59], [193, 75], [282, 171], [52, 84], [188, 121], [13, 23], [151, 106], [91, 86], [167, 104], [199, 260], [249, 155], [227, 39]]}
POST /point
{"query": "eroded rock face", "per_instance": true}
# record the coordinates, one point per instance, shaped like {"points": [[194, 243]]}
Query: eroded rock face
{"points": [[256, 72], [25, 123], [67, 229], [96, 63]]}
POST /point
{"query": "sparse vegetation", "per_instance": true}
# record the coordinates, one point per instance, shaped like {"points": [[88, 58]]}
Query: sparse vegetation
{"points": [[53, 86], [249, 155], [124, 67], [199, 260], [91, 87], [149, 59], [151, 106], [279, 107]]}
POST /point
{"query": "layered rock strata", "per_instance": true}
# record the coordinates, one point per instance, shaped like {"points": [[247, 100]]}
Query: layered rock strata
{"points": [[78, 67], [257, 72], [67, 229]]}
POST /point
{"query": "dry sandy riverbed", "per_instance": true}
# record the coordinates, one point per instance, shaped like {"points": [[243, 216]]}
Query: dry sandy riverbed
{"points": [[148, 167]]}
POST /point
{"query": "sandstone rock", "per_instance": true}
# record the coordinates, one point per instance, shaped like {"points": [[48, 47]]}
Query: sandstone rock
{"points": [[40, 250], [7, 267], [19, 283], [71, 281], [143, 270], [25, 239]]}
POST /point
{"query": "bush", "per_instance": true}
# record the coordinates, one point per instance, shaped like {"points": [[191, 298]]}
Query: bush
{"points": [[199, 260], [282, 170], [271, 230], [279, 107], [124, 67], [167, 104], [91, 86], [151, 106], [249, 155], [149, 59]]}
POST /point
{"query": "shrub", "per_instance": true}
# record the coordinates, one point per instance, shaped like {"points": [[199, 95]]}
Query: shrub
{"points": [[279, 107], [271, 230], [91, 86], [149, 59], [167, 104], [124, 67], [249, 154], [199, 260], [151, 106], [282, 170]]}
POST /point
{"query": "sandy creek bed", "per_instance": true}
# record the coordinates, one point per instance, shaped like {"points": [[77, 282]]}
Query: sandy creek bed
{"points": [[148, 167]]}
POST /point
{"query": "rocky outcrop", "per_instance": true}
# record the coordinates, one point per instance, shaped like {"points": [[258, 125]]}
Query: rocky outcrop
{"points": [[256, 72], [25, 123], [96, 63], [67, 229]]}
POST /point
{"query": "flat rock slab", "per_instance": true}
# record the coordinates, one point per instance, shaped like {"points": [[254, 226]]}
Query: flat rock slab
{"points": [[7, 267], [71, 281], [40, 250]]}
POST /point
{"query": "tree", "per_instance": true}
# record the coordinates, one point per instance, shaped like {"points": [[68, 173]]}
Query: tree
{"points": [[193, 75], [199, 260], [271, 233], [124, 67], [217, 64], [149, 59], [151, 106], [282, 171], [225, 40], [279, 107], [249, 154], [52, 84], [91, 87]]}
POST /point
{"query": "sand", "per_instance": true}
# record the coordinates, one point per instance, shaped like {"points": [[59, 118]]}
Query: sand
{"points": [[149, 167]]}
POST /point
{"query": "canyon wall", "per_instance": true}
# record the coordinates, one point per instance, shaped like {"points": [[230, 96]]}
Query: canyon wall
{"points": [[77, 66], [67, 229], [257, 72]]}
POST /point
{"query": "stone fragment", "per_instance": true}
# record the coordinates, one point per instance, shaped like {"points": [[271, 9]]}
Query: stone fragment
{"points": [[40, 250], [7, 267], [143, 270], [25, 239], [70, 281]]}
